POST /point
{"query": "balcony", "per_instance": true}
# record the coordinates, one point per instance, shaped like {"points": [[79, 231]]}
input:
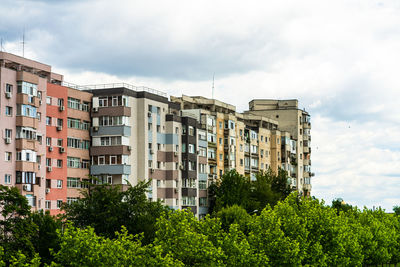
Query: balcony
{"points": [[26, 144], [26, 166], [26, 121], [306, 149], [110, 169], [189, 192], [307, 162], [121, 130], [27, 100], [306, 125]]}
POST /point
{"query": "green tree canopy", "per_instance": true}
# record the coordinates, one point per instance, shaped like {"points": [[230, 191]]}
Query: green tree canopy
{"points": [[107, 208]]}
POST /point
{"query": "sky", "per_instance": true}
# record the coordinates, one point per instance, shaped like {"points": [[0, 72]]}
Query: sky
{"points": [[340, 59]]}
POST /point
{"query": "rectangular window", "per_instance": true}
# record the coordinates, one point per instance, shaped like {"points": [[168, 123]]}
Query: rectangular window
{"points": [[113, 160], [73, 182], [8, 133], [48, 100], [59, 142], [59, 163], [73, 162], [191, 131], [191, 148], [47, 205], [202, 185], [8, 156], [202, 201], [60, 122], [59, 183], [71, 200], [9, 88], [7, 178], [48, 121], [48, 141], [59, 203], [9, 111], [48, 162], [103, 101]]}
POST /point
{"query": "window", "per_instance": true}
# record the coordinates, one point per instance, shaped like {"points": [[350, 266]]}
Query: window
{"points": [[59, 183], [114, 101], [48, 162], [158, 129], [48, 141], [158, 110], [202, 185], [8, 156], [8, 111], [220, 156], [59, 163], [191, 131], [8, 133], [73, 182], [202, 152], [59, 142], [73, 123], [48, 121], [60, 122], [7, 178], [191, 148], [220, 124], [39, 116], [60, 102], [158, 183], [48, 100], [110, 140], [59, 203], [9, 88], [202, 168], [27, 88], [176, 130], [71, 200], [113, 160], [73, 162], [241, 162], [192, 165], [103, 101], [202, 201], [47, 205]]}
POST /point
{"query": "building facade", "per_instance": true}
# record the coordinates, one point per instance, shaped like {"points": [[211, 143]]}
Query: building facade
{"points": [[57, 136]]}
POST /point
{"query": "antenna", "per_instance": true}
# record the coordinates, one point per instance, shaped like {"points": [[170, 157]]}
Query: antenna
{"points": [[23, 43], [213, 87]]}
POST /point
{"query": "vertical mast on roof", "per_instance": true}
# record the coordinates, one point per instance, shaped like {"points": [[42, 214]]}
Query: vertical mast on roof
{"points": [[23, 43], [212, 92]]}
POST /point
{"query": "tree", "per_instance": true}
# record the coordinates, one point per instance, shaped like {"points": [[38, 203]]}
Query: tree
{"points": [[107, 208], [396, 210], [232, 189], [340, 205], [82, 247], [17, 230], [47, 238]]}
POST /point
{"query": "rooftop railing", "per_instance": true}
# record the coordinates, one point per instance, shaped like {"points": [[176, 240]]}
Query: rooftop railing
{"points": [[125, 85]]}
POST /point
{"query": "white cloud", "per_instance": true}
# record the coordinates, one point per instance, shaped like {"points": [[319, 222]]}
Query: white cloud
{"points": [[340, 59]]}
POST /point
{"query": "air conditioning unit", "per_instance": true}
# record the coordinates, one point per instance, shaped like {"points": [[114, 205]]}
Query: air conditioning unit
{"points": [[59, 128], [62, 150], [129, 148], [47, 190], [95, 109], [7, 140], [61, 108], [49, 168], [176, 153], [50, 148], [95, 128], [151, 170], [149, 114], [25, 187], [8, 95]]}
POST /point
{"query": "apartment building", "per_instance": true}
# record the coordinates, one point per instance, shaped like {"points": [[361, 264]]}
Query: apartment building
{"points": [[253, 141], [23, 85], [296, 123], [56, 134]]}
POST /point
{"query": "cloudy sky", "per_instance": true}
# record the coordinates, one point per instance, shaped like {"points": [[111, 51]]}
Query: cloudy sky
{"points": [[339, 58]]}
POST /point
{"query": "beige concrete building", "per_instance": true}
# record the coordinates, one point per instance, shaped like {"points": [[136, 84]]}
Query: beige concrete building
{"points": [[296, 122]]}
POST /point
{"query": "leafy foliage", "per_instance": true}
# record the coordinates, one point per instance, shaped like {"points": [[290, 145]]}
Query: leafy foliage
{"points": [[106, 208]]}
